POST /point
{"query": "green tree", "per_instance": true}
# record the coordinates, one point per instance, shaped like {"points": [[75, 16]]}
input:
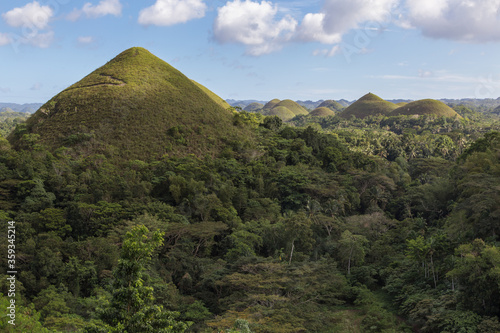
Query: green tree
{"points": [[352, 249], [132, 307], [478, 275]]}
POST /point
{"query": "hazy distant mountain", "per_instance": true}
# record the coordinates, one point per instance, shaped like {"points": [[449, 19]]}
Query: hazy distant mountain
{"points": [[26, 108], [310, 105], [243, 103]]}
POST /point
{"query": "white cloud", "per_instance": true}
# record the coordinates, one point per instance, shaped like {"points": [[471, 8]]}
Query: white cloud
{"points": [[428, 76], [33, 16], [253, 24], [103, 8], [336, 49], [338, 17], [462, 20], [170, 12], [41, 40], [36, 86], [85, 40], [4, 39], [313, 29]]}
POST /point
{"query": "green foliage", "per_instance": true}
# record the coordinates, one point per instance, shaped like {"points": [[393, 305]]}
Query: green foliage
{"points": [[131, 308], [27, 319], [477, 271]]}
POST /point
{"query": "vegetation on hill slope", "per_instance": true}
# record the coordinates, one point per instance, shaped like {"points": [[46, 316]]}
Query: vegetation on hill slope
{"points": [[212, 95], [368, 105], [9, 119], [136, 105]]}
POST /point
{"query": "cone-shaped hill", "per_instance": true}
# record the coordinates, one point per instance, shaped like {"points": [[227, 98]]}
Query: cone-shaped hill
{"points": [[426, 107], [137, 107], [368, 105], [322, 112], [283, 112], [332, 105], [296, 108], [271, 104]]}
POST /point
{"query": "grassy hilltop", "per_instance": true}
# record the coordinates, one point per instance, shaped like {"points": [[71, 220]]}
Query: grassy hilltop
{"points": [[368, 105], [426, 107], [322, 112]]}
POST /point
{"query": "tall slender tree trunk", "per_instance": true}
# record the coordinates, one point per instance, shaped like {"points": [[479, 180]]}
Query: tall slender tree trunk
{"points": [[291, 252], [433, 273]]}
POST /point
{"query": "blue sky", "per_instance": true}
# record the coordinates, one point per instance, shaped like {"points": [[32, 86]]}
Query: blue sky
{"points": [[316, 49]]}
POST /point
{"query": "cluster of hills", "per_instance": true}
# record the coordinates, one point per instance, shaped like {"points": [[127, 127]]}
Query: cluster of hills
{"points": [[368, 105], [372, 105]]}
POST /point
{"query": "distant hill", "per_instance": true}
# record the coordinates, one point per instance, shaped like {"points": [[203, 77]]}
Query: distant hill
{"points": [[243, 103], [253, 107], [344, 102], [292, 106], [25, 108], [368, 105], [135, 106], [281, 111], [426, 107], [269, 105], [322, 112], [400, 101], [309, 105], [332, 105]]}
